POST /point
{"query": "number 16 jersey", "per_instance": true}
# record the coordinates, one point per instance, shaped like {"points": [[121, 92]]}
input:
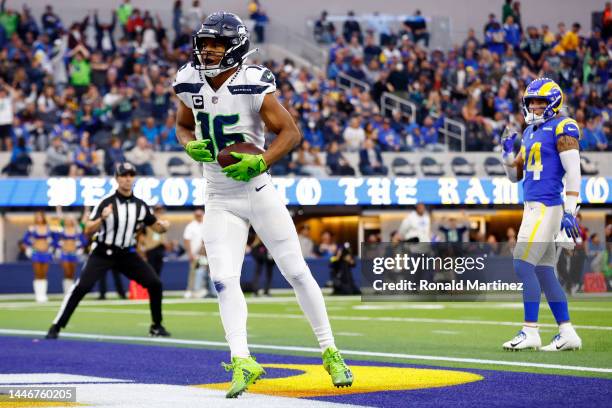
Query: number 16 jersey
{"points": [[226, 116], [543, 171]]}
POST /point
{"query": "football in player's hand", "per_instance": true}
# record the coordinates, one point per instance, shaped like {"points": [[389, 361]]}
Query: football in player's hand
{"points": [[224, 158]]}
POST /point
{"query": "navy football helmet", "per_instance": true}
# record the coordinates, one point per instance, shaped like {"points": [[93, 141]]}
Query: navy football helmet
{"points": [[229, 29]]}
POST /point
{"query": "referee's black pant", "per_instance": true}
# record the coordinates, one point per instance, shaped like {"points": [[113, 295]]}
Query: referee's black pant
{"points": [[155, 258], [130, 264]]}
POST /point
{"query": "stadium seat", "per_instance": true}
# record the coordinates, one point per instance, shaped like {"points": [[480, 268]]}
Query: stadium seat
{"points": [[462, 167], [431, 168], [178, 168], [494, 167], [402, 167], [587, 167]]}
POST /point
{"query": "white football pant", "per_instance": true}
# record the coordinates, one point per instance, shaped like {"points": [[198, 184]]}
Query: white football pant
{"points": [[536, 237], [226, 226]]}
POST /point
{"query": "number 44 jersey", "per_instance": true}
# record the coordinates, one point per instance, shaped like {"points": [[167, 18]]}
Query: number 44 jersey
{"points": [[226, 116], [543, 180]]}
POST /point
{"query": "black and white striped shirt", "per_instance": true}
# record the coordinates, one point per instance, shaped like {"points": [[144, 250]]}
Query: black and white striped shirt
{"points": [[120, 227]]}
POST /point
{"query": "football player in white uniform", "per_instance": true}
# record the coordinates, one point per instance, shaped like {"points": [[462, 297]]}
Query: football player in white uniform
{"points": [[224, 101]]}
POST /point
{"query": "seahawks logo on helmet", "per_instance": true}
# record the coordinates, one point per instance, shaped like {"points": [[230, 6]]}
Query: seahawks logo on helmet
{"points": [[231, 31]]}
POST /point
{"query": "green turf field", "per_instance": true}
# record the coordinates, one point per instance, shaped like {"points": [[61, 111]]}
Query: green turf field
{"points": [[416, 332]]}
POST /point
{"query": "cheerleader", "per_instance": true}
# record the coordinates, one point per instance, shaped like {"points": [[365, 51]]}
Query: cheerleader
{"points": [[39, 242], [70, 243]]}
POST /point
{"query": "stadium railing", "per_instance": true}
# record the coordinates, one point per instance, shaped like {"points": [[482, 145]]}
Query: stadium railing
{"points": [[347, 82], [440, 27], [451, 129], [390, 103], [296, 43]]}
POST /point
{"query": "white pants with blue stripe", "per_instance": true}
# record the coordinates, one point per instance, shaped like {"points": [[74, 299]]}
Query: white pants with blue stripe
{"points": [[535, 242]]}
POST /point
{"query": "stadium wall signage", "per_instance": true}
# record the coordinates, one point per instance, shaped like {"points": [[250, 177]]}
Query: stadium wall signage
{"points": [[367, 191]]}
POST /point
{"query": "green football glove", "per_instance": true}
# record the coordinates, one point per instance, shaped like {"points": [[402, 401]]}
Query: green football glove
{"points": [[249, 166], [196, 149]]}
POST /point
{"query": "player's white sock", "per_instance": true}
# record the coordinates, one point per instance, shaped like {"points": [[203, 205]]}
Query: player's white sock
{"points": [[311, 301], [233, 310], [531, 329], [67, 284], [566, 329]]}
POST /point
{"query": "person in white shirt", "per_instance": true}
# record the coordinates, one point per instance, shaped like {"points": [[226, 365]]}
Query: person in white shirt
{"points": [[416, 227], [353, 135], [306, 243], [192, 17], [6, 116], [149, 35], [193, 238], [142, 156]]}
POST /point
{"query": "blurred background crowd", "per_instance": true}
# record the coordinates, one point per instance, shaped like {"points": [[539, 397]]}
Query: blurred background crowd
{"points": [[77, 88]]}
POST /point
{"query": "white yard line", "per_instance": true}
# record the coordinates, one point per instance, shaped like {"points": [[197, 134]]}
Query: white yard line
{"points": [[465, 305], [122, 302], [332, 317], [313, 350], [449, 332], [101, 394], [337, 304], [347, 334]]}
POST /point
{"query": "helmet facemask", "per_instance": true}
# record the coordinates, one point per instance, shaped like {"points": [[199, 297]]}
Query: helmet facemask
{"points": [[235, 51], [547, 91], [202, 57], [531, 118]]}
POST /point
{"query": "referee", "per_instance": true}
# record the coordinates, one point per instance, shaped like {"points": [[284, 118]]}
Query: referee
{"points": [[116, 220]]}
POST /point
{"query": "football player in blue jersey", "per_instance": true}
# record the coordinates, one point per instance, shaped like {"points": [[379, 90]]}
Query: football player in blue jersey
{"points": [[549, 152]]}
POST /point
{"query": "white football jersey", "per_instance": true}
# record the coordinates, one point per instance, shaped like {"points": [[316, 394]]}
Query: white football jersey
{"points": [[229, 115]]}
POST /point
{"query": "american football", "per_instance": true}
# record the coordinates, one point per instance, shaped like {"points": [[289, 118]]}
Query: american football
{"points": [[224, 157]]}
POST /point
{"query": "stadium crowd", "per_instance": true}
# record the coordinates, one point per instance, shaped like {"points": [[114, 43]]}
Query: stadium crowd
{"points": [[71, 97], [477, 82]]}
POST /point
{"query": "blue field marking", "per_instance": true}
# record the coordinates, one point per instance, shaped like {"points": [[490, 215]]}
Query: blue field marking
{"points": [[188, 366]]}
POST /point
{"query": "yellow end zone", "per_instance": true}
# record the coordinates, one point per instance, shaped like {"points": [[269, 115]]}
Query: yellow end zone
{"points": [[23, 403], [315, 382]]}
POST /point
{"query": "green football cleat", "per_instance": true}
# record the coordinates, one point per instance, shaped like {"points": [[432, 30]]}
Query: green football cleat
{"points": [[245, 372], [336, 367]]}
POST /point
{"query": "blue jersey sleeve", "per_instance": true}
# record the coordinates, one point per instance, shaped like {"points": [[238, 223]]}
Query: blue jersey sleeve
{"points": [[27, 237], [56, 238], [524, 136], [567, 127], [82, 241]]}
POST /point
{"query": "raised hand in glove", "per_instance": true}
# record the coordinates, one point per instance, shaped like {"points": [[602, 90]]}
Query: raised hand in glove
{"points": [[507, 143], [249, 166], [569, 223], [196, 149]]}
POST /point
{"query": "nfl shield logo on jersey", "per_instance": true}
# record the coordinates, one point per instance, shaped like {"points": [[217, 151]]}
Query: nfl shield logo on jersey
{"points": [[198, 101]]}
